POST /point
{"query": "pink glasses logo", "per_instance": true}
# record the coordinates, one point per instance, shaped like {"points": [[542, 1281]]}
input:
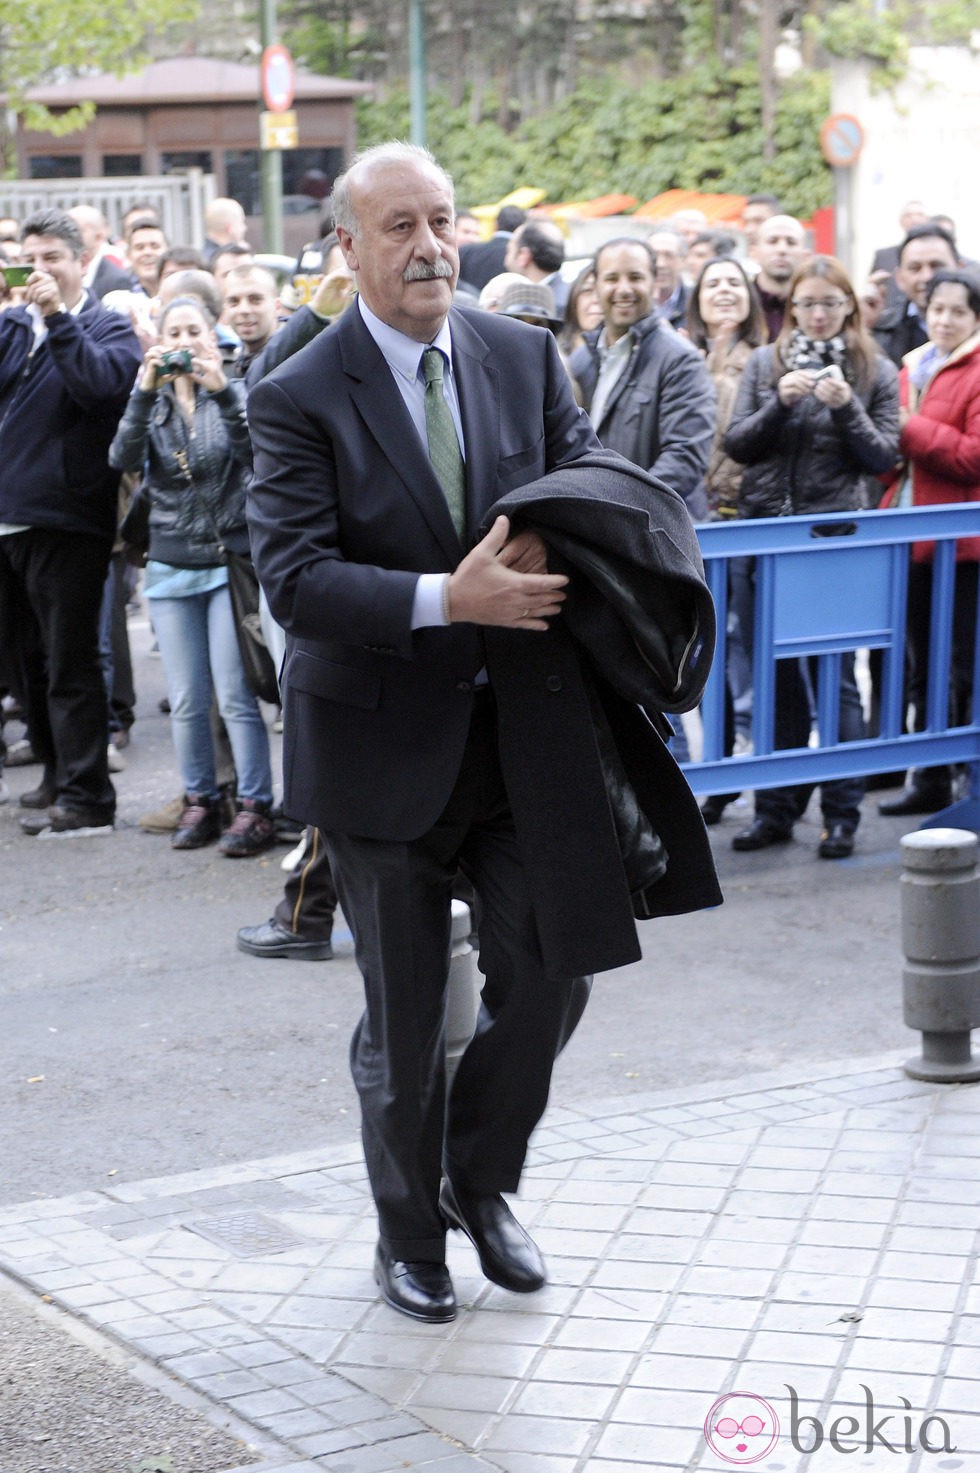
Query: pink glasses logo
{"points": [[741, 1428]]}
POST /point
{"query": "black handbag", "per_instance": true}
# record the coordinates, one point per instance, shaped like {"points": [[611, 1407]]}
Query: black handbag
{"points": [[243, 590]]}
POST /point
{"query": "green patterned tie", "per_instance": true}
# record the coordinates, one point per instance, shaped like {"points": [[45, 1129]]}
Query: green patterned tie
{"points": [[444, 451]]}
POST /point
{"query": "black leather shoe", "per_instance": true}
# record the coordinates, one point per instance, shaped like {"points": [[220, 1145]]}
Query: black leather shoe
{"points": [[40, 797], [836, 842], [760, 834], [67, 821], [272, 939], [423, 1291], [508, 1257], [712, 808], [916, 800]]}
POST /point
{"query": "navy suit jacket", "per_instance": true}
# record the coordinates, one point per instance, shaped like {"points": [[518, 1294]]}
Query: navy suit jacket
{"points": [[345, 511]]}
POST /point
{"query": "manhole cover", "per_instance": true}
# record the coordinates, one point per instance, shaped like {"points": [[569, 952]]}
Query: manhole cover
{"points": [[245, 1233]]}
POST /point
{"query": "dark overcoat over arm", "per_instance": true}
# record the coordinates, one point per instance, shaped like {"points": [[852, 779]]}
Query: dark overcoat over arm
{"points": [[345, 513]]}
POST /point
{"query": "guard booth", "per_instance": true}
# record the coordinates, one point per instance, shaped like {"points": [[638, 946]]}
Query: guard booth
{"points": [[192, 113], [826, 585]]}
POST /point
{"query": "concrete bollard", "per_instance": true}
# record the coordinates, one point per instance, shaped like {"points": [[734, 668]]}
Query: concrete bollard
{"points": [[941, 942], [463, 993]]}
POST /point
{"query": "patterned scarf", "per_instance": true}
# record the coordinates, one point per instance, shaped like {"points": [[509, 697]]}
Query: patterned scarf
{"points": [[804, 352]]}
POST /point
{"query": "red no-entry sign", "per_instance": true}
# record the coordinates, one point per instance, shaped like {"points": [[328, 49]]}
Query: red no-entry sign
{"points": [[841, 140], [278, 79]]}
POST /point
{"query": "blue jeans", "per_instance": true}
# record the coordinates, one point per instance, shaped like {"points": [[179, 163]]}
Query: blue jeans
{"points": [[199, 648]]}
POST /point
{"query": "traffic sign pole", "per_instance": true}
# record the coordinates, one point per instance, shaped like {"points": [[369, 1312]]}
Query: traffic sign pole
{"points": [[271, 158], [841, 141]]}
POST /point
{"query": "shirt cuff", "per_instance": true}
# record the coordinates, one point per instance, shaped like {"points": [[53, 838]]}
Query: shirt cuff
{"points": [[428, 608]]}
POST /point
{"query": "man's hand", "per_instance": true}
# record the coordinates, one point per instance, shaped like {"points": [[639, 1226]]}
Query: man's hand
{"points": [[333, 294], [44, 291], [503, 582]]}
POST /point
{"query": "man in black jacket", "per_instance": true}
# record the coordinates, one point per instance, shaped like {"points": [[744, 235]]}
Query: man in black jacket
{"points": [[924, 251], [66, 368], [479, 264]]}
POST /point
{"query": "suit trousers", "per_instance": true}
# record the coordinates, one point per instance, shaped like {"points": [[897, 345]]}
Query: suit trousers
{"points": [[51, 586], [396, 897]]}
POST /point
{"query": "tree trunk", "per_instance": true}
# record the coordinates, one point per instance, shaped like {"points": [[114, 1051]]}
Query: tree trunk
{"points": [[768, 36]]}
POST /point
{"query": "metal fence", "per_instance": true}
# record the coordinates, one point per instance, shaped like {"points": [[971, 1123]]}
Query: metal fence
{"points": [[825, 586], [178, 199]]}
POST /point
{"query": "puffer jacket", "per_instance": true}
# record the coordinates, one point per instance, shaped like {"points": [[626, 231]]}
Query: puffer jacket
{"points": [[941, 439], [661, 413], [804, 457], [194, 478]]}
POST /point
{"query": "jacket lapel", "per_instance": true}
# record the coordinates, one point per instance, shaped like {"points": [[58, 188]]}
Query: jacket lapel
{"points": [[378, 401]]}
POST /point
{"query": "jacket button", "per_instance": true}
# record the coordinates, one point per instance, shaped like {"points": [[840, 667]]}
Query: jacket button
{"points": [[553, 682], [465, 686]]}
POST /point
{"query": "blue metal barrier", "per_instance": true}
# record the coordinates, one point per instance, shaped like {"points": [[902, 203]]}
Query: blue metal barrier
{"points": [[825, 586]]}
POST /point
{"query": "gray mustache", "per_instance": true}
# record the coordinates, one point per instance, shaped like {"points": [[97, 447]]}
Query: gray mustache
{"points": [[427, 270]]}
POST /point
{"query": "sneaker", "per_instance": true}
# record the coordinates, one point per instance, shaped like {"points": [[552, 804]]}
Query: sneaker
{"points": [[199, 823], [21, 754], [58, 821], [164, 820], [252, 832], [120, 738], [4, 792], [117, 761]]}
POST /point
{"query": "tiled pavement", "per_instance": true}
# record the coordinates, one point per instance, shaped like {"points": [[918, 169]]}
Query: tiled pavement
{"points": [[817, 1233]]}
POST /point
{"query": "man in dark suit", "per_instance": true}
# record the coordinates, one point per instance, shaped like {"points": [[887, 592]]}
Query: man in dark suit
{"points": [[480, 263], [102, 273], [901, 327], [405, 654]]}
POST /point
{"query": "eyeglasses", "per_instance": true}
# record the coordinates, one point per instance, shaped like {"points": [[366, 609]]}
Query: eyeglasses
{"points": [[831, 304]]}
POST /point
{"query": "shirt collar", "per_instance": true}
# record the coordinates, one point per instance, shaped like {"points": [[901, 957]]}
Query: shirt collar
{"points": [[403, 354]]}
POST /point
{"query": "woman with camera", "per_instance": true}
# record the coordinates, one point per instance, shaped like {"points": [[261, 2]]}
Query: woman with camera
{"points": [[184, 428], [816, 412]]}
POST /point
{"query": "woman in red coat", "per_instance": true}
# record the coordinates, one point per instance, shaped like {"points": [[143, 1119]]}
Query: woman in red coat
{"points": [[940, 443]]}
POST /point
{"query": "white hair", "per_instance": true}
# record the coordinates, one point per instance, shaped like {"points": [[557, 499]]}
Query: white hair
{"points": [[382, 155]]}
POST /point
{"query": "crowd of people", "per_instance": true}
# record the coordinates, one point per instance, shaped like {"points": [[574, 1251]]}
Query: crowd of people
{"points": [[171, 406], [752, 376]]}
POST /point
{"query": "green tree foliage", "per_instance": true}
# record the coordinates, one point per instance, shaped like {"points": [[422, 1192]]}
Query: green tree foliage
{"points": [[586, 97], [47, 40], [698, 131]]}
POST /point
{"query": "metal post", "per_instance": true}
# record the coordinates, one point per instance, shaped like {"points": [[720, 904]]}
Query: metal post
{"points": [[463, 994], [416, 71], [941, 942], [271, 158], [844, 218]]}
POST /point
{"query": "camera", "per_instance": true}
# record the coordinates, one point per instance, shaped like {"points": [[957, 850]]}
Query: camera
{"points": [[172, 364], [831, 371], [16, 275]]}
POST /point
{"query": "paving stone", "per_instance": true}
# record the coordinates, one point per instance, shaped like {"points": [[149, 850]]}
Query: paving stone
{"points": [[700, 1241]]}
